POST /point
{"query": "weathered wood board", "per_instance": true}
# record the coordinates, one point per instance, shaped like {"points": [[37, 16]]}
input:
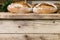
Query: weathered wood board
{"points": [[29, 36], [29, 29], [29, 26], [51, 1], [28, 16]]}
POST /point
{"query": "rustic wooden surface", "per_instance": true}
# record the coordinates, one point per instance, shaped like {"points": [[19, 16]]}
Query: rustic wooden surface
{"points": [[29, 26], [29, 29], [53, 1], [29, 37], [28, 16]]}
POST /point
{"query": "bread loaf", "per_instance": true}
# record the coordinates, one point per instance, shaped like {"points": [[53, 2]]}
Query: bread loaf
{"points": [[19, 7], [45, 8]]}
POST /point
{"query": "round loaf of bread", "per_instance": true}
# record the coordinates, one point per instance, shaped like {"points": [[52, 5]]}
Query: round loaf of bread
{"points": [[19, 7], [45, 8]]}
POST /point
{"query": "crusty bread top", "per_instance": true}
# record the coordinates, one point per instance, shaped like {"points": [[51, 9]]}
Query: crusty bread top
{"points": [[47, 5], [24, 4]]}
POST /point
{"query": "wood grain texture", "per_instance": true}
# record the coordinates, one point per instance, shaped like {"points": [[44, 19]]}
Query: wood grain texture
{"points": [[28, 16], [29, 26], [29, 37], [51, 1]]}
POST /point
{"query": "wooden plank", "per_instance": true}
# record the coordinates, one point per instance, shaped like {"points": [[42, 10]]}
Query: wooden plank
{"points": [[29, 37], [51, 1], [28, 16], [29, 26]]}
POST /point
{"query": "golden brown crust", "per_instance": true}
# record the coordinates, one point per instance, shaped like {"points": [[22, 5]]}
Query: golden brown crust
{"points": [[44, 8], [24, 9], [23, 3], [46, 5]]}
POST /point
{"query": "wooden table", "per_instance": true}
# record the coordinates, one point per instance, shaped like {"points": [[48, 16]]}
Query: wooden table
{"points": [[30, 26]]}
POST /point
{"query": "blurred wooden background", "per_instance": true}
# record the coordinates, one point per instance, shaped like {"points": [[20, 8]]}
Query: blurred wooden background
{"points": [[29, 0]]}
